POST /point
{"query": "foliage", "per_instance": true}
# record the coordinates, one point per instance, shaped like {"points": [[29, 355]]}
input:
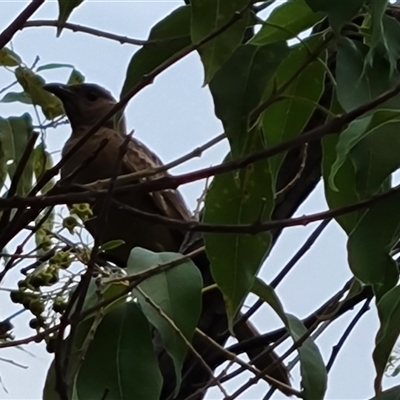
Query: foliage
{"points": [[324, 106]]}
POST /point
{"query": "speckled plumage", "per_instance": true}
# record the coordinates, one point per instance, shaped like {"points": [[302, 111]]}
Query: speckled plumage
{"points": [[85, 104]]}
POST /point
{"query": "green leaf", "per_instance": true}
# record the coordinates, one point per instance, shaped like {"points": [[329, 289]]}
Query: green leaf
{"points": [[245, 196], [75, 77], [53, 66], [120, 360], [42, 234], [65, 9], [8, 58], [107, 292], [33, 85], [207, 17], [3, 163], [171, 35], [338, 14], [285, 119], [366, 81], [177, 293], [41, 162], [313, 372], [370, 243], [12, 97], [389, 330], [377, 10], [15, 133], [373, 146], [7, 139], [85, 332], [347, 140], [391, 33], [345, 191], [112, 244], [286, 22], [390, 394], [376, 156], [242, 197], [238, 86]]}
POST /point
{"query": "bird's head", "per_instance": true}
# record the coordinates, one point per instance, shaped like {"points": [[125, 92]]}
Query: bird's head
{"points": [[84, 103]]}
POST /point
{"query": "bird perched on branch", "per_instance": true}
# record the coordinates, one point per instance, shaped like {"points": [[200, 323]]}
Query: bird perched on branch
{"points": [[84, 105]]}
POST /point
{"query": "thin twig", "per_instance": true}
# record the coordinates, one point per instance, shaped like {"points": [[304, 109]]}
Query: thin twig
{"points": [[85, 29], [331, 309], [288, 267], [20, 247], [172, 182], [134, 176], [35, 338], [346, 334], [245, 366]]}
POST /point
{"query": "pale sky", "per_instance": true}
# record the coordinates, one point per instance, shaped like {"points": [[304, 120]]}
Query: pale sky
{"points": [[173, 116]]}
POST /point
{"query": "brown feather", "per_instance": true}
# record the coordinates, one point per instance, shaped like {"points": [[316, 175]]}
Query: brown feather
{"points": [[84, 105]]}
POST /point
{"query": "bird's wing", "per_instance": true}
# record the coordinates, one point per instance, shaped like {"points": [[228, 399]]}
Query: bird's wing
{"points": [[169, 202]]}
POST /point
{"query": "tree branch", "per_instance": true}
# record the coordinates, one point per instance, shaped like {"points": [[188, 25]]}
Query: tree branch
{"points": [[10, 31], [86, 29]]}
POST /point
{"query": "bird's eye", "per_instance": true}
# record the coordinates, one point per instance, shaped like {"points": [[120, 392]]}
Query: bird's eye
{"points": [[92, 95]]}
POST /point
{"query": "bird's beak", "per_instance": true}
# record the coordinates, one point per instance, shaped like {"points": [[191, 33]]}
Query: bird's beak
{"points": [[60, 90]]}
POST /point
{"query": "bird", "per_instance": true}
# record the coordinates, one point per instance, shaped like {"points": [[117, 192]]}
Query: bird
{"points": [[85, 104]]}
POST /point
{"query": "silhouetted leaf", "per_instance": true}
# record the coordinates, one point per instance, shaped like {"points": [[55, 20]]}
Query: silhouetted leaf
{"points": [[207, 17], [177, 293]]}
